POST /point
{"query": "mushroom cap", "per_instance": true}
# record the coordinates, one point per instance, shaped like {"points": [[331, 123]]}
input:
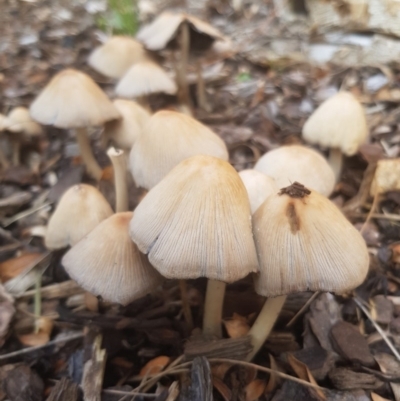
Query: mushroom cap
{"points": [[305, 243], [125, 131], [72, 100], [196, 223], [258, 186], [145, 78], [386, 177], [106, 262], [80, 209], [20, 121], [339, 122], [168, 138], [116, 55], [288, 164]]}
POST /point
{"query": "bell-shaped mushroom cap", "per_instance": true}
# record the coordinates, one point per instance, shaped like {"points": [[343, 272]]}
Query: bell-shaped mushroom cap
{"points": [[168, 138], [106, 262], [125, 131], [72, 100], [339, 122], [79, 211], [305, 243], [145, 78], [114, 57], [258, 186], [288, 164], [20, 121], [196, 223]]}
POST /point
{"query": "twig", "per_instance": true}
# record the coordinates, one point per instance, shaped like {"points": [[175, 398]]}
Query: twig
{"points": [[303, 308], [127, 393], [25, 213]]}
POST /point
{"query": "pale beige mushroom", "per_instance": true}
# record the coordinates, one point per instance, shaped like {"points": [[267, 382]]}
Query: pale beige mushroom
{"points": [[196, 223], [120, 169], [107, 263], [168, 138]]}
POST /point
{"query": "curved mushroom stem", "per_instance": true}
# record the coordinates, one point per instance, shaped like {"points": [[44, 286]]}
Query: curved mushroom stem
{"points": [[264, 323], [92, 166], [213, 305], [118, 161], [183, 87], [336, 162]]}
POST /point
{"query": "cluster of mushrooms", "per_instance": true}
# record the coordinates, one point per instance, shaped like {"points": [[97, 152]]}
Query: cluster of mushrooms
{"points": [[200, 217]]}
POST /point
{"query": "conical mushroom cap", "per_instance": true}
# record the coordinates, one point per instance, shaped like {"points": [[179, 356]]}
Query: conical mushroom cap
{"points": [[20, 121], [168, 138], [72, 100], [196, 223], [258, 186], [339, 122], [80, 210], [125, 131], [305, 243], [288, 164], [114, 57], [106, 262], [143, 79]]}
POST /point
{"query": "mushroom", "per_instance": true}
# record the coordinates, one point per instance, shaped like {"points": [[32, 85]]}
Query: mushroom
{"points": [[72, 100], [168, 138], [124, 132], [80, 209], [196, 223], [288, 164], [116, 55], [20, 126], [304, 243], [339, 123], [118, 161], [107, 263], [258, 186]]}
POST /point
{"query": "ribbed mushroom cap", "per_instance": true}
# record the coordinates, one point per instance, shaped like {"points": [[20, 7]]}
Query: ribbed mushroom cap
{"points": [[19, 121], [258, 186], [125, 131], [288, 164], [145, 78], [79, 211], [339, 122], [168, 138], [114, 57], [305, 243], [196, 223], [72, 100], [106, 262]]}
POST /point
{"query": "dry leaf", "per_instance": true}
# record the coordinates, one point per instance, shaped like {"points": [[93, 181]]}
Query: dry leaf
{"points": [[91, 302], [173, 391], [13, 267], [42, 337], [254, 390], [154, 366], [376, 397], [237, 327], [273, 378], [222, 388], [219, 371], [389, 364]]}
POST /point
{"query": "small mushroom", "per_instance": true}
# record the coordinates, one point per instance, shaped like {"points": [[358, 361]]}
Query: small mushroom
{"points": [[168, 138], [107, 263], [72, 100], [196, 223], [288, 164], [304, 243], [339, 123], [79, 211]]}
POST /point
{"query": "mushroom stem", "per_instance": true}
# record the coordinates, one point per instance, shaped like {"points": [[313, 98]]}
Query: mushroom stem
{"points": [[118, 161], [92, 166], [201, 89], [336, 162], [213, 308], [182, 72], [264, 323]]}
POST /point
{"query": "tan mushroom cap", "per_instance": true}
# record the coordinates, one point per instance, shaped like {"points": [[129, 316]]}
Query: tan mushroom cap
{"points": [[116, 55], [145, 78], [79, 211], [124, 132], [19, 121], [288, 164], [72, 100], [339, 122], [168, 138], [305, 243], [196, 223], [386, 177], [258, 186], [107, 263]]}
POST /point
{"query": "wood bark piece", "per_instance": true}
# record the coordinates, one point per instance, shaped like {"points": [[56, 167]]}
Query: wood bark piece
{"points": [[64, 390], [201, 386], [347, 379]]}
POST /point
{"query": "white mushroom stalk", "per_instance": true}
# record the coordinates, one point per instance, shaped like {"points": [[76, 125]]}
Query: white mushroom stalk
{"points": [[118, 160]]}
